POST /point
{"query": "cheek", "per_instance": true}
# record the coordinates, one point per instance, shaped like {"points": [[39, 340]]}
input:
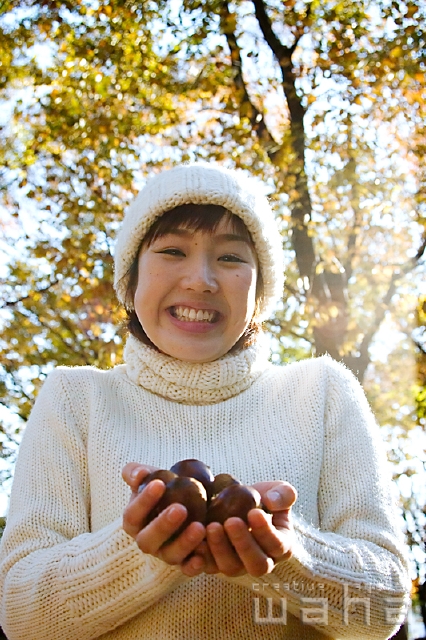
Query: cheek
{"points": [[147, 274], [144, 291], [244, 293], [138, 295], [139, 304]]}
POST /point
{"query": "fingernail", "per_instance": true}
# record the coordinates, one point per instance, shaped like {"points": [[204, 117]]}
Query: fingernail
{"points": [[134, 473], [275, 498], [194, 534], [175, 513], [214, 532]]}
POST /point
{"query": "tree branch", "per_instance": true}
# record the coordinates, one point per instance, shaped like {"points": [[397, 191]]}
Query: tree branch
{"points": [[16, 413], [301, 207], [358, 364], [12, 303], [247, 107], [283, 55], [280, 51], [354, 233]]}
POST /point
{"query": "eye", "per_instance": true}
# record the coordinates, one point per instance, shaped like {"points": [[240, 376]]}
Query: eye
{"points": [[172, 252], [231, 258]]}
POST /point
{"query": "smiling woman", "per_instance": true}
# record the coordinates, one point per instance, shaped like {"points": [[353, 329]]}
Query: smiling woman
{"points": [[184, 276], [198, 266], [204, 258]]}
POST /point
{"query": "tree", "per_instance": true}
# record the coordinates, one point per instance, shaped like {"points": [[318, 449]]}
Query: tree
{"points": [[420, 341], [323, 101]]}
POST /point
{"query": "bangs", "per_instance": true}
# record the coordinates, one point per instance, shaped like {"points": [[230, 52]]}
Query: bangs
{"points": [[194, 217]]}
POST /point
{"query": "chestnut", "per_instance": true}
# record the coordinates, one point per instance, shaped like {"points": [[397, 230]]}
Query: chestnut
{"points": [[223, 480], [186, 491], [235, 500], [161, 474], [193, 468], [207, 498]]}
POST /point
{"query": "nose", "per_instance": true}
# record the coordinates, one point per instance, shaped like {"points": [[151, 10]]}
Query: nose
{"points": [[200, 276]]}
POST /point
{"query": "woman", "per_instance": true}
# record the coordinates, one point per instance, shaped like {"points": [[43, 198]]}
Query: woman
{"points": [[198, 265]]}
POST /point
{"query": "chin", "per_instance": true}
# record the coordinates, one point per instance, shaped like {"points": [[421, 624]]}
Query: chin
{"points": [[194, 353], [198, 355], [202, 360], [196, 359]]}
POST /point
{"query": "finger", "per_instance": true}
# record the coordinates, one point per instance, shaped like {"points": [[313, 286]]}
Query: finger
{"points": [[281, 519], [140, 505], [177, 551], [133, 473], [276, 543], [256, 562], [277, 496], [203, 552], [224, 555], [193, 566], [160, 530]]}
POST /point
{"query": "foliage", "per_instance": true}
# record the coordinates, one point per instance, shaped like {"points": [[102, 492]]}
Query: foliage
{"points": [[322, 101], [420, 341]]}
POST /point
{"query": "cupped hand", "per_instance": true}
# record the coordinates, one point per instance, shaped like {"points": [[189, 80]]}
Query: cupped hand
{"points": [[235, 548], [153, 538]]}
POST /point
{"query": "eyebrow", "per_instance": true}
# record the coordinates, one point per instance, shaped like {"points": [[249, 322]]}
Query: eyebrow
{"points": [[226, 237], [233, 237]]}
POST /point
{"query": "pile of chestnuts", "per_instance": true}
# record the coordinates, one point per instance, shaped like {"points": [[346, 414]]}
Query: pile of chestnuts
{"points": [[207, 498]]}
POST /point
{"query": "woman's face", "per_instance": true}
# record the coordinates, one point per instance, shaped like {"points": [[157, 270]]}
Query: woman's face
{"points": [[196, 291]]}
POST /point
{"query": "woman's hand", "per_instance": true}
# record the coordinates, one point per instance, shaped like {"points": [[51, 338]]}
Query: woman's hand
{"points": [[232, 549], [152, 538], [235, 548]]}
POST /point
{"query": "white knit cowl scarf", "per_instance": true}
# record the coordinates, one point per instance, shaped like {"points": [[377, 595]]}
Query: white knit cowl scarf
{"points": [[195, 383]]}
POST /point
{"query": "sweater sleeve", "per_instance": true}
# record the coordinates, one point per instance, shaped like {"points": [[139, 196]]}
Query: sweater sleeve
{"points": [[348, 577], [57, 578]]}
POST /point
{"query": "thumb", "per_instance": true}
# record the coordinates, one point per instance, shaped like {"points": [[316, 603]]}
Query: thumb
{"points": [[280, 497], [133, 473]]}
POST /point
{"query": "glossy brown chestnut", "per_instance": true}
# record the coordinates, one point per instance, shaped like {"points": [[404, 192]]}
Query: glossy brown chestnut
{"points": [[161, 474], [186, 491], [193, 468], [233, 501], [223, 480]]}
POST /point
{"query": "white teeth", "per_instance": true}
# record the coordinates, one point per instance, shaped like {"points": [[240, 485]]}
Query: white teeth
{"points": [[191, 315]]}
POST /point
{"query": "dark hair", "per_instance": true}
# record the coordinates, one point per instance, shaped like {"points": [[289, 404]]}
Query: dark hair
{"points": [[196, 217]]}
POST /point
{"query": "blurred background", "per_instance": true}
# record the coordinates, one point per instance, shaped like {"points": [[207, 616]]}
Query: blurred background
{"points": [[323, 101]]}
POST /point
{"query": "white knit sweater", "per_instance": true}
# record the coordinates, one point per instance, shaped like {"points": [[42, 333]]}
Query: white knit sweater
{"points": [[69, 571]]}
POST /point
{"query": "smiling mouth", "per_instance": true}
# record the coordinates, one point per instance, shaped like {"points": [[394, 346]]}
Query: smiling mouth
{"points": [[187, 314]]}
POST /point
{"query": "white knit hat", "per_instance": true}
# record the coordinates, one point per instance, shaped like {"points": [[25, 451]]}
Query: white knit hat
{"points": [[204, 184]]}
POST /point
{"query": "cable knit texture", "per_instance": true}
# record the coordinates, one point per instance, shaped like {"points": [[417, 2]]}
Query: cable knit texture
{"points": [[203, 183], [204, 383], [68, 570]]}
